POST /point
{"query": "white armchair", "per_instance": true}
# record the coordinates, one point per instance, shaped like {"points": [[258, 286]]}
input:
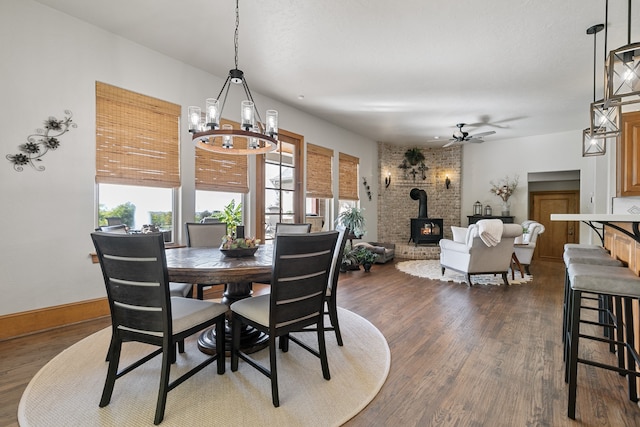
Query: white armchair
{"points": [[527, 243], [470, 255]]}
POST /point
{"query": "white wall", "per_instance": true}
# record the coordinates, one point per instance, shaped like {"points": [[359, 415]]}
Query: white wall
{"points": [[50, 62], [493, 160]]}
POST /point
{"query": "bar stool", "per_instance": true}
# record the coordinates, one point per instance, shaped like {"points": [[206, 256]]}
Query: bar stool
{"points": [[590, 255], [584, 246], [622, 285]]}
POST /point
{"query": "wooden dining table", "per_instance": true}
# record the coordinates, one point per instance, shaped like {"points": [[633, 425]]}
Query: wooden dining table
{"points": [[209, 266]]}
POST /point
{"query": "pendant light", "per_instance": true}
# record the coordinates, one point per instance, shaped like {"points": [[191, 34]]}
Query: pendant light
{"points": [[253, 137], [622, 71], [592, 143]]}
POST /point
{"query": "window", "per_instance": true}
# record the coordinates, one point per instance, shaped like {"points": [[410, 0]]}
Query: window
{"points": [[210, 202], [137, 157], [220, 178], [319, 187], [348, 177], [222, 172], [280, 174]]}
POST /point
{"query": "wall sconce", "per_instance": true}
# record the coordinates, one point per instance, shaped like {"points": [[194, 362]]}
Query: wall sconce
{"points": [[387, 180], [447, 182]]}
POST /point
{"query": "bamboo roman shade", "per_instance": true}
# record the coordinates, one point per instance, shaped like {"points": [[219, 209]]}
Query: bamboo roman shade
{"points": [[348, 176], [137, 139], [222, 172], [319, 176]]}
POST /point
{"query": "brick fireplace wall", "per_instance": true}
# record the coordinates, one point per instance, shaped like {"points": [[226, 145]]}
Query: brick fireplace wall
{"points": [[395, 205]]}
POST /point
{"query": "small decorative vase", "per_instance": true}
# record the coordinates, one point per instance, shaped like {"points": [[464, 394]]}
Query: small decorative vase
{"points": [[506, 208]]}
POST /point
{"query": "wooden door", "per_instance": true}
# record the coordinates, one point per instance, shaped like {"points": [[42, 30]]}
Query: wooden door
{"points": [[550, 244], [628, 159]]}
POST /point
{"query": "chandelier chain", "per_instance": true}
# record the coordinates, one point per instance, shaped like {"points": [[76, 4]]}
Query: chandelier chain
{"points": [[235, 36]]}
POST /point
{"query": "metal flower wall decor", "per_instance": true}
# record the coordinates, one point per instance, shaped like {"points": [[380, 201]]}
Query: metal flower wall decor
{"points": [[39, 143]]}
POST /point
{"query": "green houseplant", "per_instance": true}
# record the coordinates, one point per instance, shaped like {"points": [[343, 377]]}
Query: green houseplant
{"points": [[414, 156], [230, 215], [353, 219], [365, 257]]}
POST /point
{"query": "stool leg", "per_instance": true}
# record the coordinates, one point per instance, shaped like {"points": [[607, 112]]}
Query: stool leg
{"points": [[619, 333], [572, 362], [631, 360]]}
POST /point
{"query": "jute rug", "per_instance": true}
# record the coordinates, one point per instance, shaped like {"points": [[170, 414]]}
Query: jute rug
{"points": [[430, 269], [66, 391]]}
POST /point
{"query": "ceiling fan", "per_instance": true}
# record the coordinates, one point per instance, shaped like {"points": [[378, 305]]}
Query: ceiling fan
{"points": [[460, 136]]}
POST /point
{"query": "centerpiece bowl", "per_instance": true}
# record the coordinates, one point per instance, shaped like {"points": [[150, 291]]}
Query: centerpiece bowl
{"points": [[239, 252], [239, 247]]}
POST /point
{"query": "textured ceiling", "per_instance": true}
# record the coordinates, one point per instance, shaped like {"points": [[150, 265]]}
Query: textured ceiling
{"points": [[402, 71]]}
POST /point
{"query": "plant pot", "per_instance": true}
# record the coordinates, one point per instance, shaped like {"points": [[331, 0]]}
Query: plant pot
{"points": [[367, 266]]}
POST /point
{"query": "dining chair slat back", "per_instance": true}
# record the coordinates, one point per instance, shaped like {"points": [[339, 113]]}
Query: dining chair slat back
{"points": [[292, 228], [134, 269], [206, 234]]}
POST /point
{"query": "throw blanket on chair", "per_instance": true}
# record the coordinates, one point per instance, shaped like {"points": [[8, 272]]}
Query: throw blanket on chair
{"points": [[490, 231]]}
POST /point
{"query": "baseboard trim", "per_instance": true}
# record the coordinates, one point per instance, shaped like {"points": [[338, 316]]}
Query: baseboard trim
{"points": [[28, 322]]}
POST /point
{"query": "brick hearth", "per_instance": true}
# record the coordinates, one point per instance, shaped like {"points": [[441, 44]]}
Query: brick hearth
{"points": [[410, 251]]}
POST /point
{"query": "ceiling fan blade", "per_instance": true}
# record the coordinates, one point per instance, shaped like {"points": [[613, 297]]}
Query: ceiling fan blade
{"points": [[476, 140], [481, 134], [450, 143]]}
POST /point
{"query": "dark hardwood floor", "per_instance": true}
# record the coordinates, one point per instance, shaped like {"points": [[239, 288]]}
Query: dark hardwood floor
{"points": [[481, 356]]}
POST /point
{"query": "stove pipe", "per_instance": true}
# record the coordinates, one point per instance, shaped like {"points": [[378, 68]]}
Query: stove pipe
{"points": [[421, 196]]}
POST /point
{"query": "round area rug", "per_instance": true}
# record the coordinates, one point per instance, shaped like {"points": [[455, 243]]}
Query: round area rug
{"points": [[66, 391], [430, 269]]}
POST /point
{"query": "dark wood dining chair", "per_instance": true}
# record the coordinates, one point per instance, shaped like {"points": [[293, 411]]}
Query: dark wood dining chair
{"points": [[331, 296], [301, 265], [135, 274], [204, 235]]}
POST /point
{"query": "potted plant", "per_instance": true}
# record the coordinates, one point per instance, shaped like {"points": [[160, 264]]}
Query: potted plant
{"points": [[231, 215], [414, 156], [349, 259], [353, 219], [365, 257]]}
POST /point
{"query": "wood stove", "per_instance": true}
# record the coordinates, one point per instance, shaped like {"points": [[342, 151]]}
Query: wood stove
{"points": [[426, 230]]}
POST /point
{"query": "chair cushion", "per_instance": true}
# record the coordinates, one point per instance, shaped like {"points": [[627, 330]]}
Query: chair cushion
{"points": [[604, 279], [180, 289], [188, 312], [589, 256], [459, 234], [254, 308], [583, 246]]}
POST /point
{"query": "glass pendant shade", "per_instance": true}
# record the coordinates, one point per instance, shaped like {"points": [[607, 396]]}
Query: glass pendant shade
{"points": [[213, 113], [227, 140], [194, 119], [272, 123], [246, 112], [622, 73], [593, 144]]}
